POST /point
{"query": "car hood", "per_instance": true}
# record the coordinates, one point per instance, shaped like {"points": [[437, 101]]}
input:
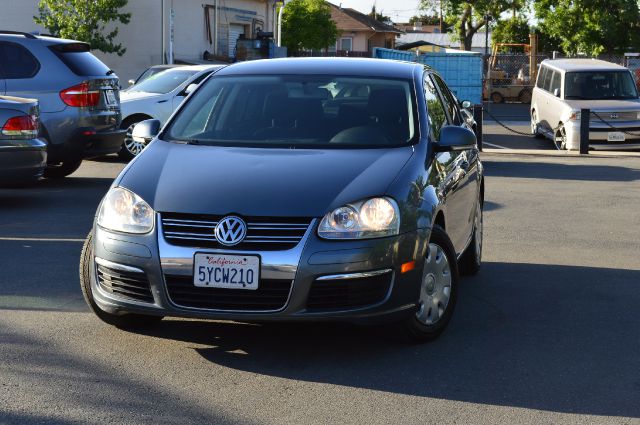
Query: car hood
{"points": [[612, 105], [259, 182]]}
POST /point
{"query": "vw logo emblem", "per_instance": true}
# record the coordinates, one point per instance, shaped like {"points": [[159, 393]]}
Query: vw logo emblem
{"points": [[231, 231], [613, 116]]}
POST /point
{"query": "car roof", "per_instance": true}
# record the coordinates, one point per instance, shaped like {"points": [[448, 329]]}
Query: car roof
{"points": [[196, 68], [569, 65], [321, 66]]}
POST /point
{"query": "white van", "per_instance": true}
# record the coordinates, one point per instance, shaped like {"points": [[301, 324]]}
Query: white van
{"points": [[565, 86]]}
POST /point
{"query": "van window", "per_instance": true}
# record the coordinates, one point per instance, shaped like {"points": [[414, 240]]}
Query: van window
{"points": [[541, 75], [594, 85], [555, 82], [546, 84]]}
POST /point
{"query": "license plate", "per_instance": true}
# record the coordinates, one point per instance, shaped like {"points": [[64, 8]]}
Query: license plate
{"points": [[615, 136], [226, 271], [111, 98]]}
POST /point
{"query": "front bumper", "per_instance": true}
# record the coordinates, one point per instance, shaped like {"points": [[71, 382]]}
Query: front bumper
{"points": [[22, 161], [311, 259], [598, 134]]}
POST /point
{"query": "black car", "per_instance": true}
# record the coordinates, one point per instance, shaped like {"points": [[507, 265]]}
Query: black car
{"points": [[295, 189], [23, 156]]}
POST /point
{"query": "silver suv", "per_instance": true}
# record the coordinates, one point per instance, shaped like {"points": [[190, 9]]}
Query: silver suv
{"points": [[78, 96], [565, 86]]}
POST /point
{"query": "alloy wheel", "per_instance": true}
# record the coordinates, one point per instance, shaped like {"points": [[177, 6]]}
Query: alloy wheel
{"points": [[560, 138], [132, 146]]}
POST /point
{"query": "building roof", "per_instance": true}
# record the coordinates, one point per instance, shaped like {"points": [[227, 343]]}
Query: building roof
{"points": [[441, 39], [351, 20]]}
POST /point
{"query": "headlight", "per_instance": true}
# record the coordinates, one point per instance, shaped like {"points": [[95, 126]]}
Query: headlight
{"points": [[124, 211], [371, 218]]}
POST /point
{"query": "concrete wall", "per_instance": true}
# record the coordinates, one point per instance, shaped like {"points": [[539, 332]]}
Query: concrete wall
{"points": [[143, 36]]}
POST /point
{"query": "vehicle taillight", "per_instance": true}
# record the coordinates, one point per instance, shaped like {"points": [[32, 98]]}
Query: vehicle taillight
{"points": [[80, 96], [22, 127]]}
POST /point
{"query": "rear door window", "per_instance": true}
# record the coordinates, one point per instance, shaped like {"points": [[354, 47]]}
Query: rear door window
{"points": [[546, 84], [555, 82], [435, 109], [17, 62], [541, 76], [450, 103], [78, 58]]}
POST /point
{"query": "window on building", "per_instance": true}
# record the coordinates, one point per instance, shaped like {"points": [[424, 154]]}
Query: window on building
{"points": [[346, 43]]}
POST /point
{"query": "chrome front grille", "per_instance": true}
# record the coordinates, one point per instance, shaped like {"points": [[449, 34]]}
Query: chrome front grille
{"points": [[614, 116], [263, 233]]}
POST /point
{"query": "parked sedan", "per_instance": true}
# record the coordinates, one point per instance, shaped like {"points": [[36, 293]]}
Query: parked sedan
{"points": [[156, 98], [23, 157], [256, 202]]}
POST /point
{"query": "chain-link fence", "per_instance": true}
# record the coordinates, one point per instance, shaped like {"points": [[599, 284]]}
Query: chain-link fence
{"points": [[509, 77]]}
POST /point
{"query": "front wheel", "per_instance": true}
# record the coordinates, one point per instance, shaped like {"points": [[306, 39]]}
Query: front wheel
{"points": [[560, 138], [438, 291], [125, 321]]}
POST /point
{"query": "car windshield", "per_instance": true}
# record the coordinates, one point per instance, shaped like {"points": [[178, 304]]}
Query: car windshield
{"points": [[599, 85], [163, 82], [298, 111]]}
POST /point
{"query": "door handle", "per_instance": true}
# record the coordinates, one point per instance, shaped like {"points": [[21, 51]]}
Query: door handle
{"points": [[162, 101]]}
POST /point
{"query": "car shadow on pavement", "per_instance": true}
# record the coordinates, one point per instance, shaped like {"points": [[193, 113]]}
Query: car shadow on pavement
{"points": [[560, 171], [549, 337]]}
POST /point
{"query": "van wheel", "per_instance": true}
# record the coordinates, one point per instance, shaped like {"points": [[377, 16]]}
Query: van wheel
{"points": [[560, 138], [125, 321], [438, 291], [497, 97], [534, 125]]}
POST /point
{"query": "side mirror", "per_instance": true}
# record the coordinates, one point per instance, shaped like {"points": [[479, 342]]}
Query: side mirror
{"points": [[465, 104], [556, 92], [145, 131], [131, 82], [454, 138], [190, 88]]}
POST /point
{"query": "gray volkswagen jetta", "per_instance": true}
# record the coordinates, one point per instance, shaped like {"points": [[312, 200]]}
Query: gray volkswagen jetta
{"points": [[295, 189]]}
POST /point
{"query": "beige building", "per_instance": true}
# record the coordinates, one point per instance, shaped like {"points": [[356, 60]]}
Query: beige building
{"points": [[360, 32], [198, 26]]}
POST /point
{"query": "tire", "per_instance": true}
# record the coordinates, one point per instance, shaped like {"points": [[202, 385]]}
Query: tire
{"points": [[63, 169], [471, 260], [534, 125], [130, 148], [524, 96], [440, 272], [497, 97], [560, 138], [124, 321]]}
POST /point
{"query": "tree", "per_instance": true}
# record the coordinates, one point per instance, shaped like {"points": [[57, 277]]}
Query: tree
{"points": [[514, 30], [378, 16], [307, 24], [469, 16], [591, 26], [84, 20]]}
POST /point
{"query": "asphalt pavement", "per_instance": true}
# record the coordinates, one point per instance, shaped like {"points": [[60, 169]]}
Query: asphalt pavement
{"points": [[547, 333]]}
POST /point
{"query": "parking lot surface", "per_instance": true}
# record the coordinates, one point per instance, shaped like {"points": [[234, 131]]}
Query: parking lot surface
{"points": [[546, 333]]}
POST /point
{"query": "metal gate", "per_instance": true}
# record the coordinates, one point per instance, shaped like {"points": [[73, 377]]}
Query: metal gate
{"points": [[235, 31]]}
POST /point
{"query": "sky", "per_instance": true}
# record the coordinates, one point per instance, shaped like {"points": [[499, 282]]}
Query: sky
{"points": [[397, 10]]}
